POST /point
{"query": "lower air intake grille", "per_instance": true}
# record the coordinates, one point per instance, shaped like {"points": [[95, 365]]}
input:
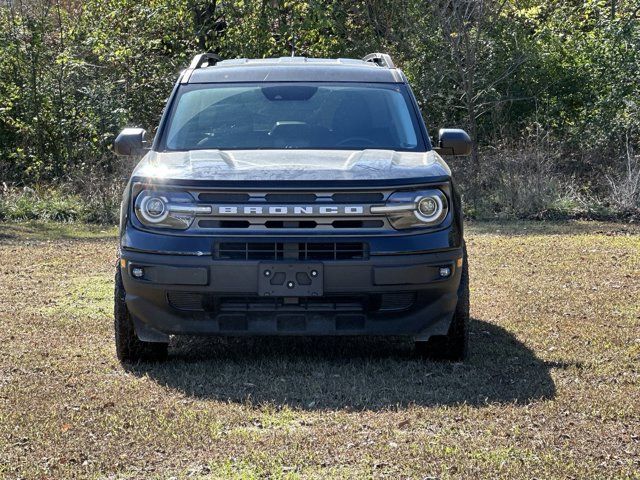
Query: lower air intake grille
{"points": [[384, 302], [397, 301], [335, 303], [188, 301], [291, 251]]}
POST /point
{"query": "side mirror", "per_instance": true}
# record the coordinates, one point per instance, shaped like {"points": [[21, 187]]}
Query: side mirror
{"points": [[130, 141], [453, 141]]}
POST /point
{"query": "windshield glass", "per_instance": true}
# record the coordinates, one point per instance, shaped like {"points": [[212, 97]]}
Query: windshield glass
{"points": [[273, 116]]}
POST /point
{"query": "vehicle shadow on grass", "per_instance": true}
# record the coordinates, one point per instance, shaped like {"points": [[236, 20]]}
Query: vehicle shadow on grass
{"points": [[353, 373]]}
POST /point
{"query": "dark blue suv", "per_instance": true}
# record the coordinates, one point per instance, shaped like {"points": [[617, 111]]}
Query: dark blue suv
{"points": [[291, 196]]}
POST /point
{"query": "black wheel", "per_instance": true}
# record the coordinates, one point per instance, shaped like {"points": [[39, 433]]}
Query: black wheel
{"points": [[129, 348], [454, 345]]}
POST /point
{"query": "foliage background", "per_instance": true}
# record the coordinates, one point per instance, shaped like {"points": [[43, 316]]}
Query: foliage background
{"points": [[549, 90]]}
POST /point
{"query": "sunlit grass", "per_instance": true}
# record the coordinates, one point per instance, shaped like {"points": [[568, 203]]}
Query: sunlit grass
{"points": [[549, 390]]}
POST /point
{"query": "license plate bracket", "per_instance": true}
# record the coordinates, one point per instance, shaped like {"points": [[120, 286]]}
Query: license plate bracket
{"points": [[297, 279]]}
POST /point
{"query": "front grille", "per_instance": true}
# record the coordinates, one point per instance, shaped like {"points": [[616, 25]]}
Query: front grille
{"points": [[290, 251], [308, 215], [383, 302]]}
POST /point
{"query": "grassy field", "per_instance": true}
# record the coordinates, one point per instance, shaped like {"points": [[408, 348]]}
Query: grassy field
{"points": [[551, 388]]}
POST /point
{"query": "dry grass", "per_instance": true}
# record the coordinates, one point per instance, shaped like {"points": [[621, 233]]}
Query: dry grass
{"points": [[550, 390]]}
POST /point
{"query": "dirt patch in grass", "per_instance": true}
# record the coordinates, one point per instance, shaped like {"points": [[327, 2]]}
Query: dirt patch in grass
{"points": [[550, 388]]}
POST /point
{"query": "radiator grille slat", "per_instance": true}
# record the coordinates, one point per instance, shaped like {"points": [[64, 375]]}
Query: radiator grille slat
{"points": [[222, 197], [291, 197], [357, 197]]}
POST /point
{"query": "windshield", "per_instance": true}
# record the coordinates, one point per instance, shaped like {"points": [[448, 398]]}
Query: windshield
{"points": [[286, 115]]}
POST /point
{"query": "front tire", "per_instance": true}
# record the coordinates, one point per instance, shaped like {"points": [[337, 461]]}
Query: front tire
{"points": [[129, 348], [454, 345]]}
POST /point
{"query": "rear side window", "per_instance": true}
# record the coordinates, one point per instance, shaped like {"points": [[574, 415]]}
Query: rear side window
{"points": [[274, 116]]}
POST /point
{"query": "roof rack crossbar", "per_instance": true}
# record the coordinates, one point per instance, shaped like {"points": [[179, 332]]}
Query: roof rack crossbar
{"points": [[380, 59], [199, 61]]}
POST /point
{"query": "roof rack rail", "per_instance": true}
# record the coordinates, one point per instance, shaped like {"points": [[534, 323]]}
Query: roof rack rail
{"points": [[380, 59], [199, 61]]}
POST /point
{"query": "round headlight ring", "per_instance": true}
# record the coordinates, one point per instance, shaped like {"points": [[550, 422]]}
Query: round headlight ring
{"points": [[154, 209], [427, 206], [431, 208]]}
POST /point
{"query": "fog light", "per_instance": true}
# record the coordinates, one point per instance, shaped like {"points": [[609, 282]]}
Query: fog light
{"points": [[445, 271], [137, 272]]}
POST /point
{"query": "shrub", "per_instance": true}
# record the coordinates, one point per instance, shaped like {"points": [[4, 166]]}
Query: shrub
{"points": [[45, 204], [625, 186], [524, 180], [50, 204]]}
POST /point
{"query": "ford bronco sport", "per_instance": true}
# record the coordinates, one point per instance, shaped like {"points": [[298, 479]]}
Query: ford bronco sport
{"points": [[291, 196]]}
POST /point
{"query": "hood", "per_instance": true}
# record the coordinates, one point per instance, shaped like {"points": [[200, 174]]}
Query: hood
{"points": [[291, 165]]}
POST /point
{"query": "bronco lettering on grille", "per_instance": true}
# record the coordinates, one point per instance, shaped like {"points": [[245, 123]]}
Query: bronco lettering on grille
{"points": [[288, 210]]}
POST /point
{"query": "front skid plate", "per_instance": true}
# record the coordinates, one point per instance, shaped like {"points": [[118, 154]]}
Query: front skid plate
{"points": [[297, 279]]}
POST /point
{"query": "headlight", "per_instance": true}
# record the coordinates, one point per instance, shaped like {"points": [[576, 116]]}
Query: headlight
{"points": [[430, 208], [167, 209], [425, 208], [153, 209]]}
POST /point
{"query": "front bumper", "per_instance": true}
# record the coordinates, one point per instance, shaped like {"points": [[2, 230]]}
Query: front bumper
{"points": [[381, 295]]}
